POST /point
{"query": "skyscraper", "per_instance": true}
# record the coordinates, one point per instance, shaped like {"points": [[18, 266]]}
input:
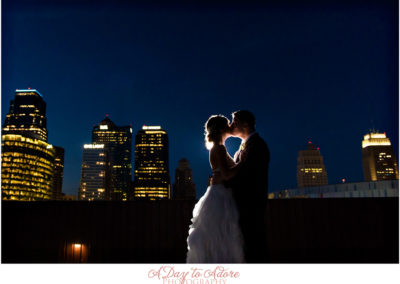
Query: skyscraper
{"points": [[117, 141], [379, 161], [310, 167], [151, 164], [184, 188], [27, 159], [27, 115], [93, 175], [58, 172], [27, 168]]}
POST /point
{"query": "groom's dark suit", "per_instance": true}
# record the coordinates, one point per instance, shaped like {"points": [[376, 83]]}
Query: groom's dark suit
{"points": [[250, 190]]}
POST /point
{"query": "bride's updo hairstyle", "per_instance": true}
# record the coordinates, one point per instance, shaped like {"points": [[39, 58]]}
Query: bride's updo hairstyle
{"points": [[215, 126]]}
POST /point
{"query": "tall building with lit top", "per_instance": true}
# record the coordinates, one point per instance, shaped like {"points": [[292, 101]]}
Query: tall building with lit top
{"points": [[310, 167], [58, 172], [117, 141], [378, 159], [93, 174], [184, 187], [152, 178], [27, 115], [27, 168], [27, 159]]}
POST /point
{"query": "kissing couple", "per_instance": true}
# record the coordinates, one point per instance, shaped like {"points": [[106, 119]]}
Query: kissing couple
{"points": [[228, 220]]}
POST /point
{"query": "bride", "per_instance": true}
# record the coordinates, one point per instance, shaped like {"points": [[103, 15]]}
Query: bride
{"points": [[214, 235]]}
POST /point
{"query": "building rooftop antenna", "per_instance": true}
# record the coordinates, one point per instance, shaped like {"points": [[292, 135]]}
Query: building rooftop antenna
{"points": [[372, 130]]}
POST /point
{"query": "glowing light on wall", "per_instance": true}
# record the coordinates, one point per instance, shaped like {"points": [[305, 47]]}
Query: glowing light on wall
{"points": [[103, 126], [76, 252]]}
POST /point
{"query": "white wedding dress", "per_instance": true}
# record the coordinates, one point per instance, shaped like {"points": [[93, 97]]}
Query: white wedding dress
{"points": [[215, 236]]}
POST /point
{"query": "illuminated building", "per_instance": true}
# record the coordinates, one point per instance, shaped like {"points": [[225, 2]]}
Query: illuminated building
{"points": [[27, 115], [152, 179], [184, 188], [27, 159], [58, 172], [378, 159], [117, 141], [93, 174], [310, 167], [27, 168]]}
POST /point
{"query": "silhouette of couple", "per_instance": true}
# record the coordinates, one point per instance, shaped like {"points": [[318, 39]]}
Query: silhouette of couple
{"points": [[228, 220]]}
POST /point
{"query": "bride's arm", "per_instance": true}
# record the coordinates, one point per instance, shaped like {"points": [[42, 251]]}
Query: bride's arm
{"points": [[218, 159]]}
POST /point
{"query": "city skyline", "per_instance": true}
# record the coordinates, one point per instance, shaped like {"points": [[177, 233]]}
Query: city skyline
{"points": [[303, 72], [106, 132], [144, 127]]}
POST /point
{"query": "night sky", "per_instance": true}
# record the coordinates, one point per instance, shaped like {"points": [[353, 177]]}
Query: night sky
{"points": [[321, 72]]}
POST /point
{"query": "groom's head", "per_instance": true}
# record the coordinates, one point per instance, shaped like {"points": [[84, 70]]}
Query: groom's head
{"points": [[243, 123]]}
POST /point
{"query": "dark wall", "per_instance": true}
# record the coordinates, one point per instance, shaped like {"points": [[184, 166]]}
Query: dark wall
{"points": [[299, 230]]}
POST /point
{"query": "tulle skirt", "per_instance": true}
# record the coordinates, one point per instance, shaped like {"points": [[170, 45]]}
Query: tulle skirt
{"points": [[215, 236]]}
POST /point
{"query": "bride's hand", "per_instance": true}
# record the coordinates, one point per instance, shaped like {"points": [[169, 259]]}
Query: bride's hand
{"points": [[243, 155]]}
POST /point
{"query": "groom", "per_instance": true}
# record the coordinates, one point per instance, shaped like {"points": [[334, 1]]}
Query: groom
{"points": [[250, 185]]}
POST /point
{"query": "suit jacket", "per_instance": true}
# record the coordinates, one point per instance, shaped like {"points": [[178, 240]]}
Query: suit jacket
{"points": [[250, 184]]}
